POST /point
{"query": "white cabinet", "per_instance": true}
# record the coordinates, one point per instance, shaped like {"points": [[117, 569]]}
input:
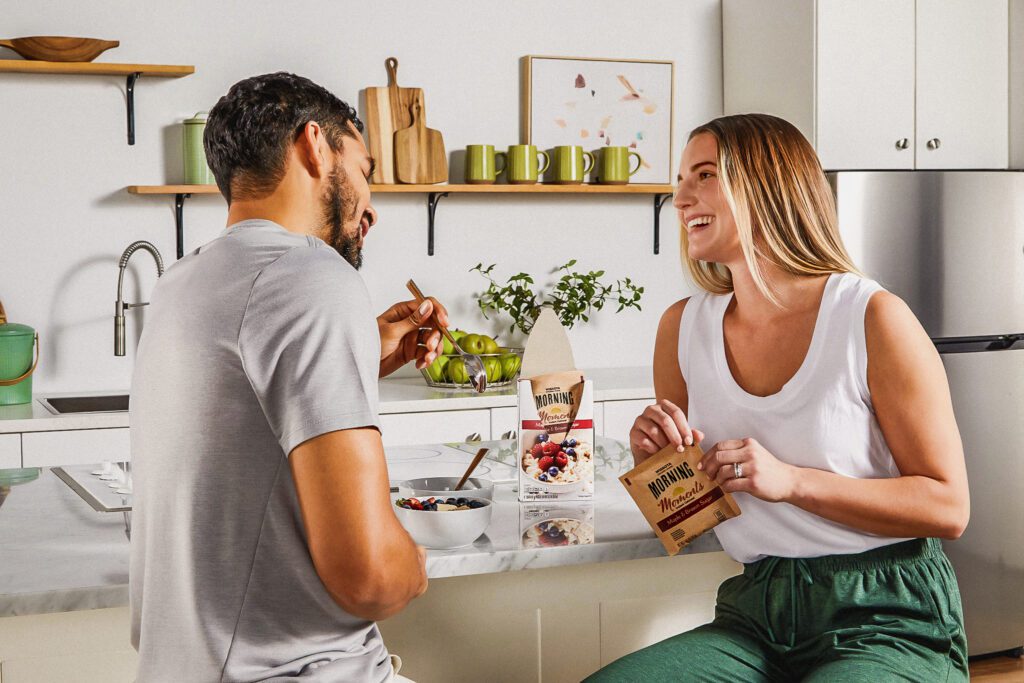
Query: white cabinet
{"points": [[619, 417], [443, 426], [876, 84], [74, 447], [518, 632], [10, 451], [962, 84], [865, 84], [503, 422], [86, 646]]}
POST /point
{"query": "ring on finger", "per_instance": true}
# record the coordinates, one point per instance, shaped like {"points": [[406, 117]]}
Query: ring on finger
{"points": [[737, 470]]}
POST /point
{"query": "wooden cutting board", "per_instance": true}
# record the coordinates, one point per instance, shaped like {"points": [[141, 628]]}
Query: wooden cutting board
{"points": [[419, 152], [388, 109]]}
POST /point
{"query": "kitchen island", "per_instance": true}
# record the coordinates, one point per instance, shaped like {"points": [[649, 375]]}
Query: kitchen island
{"points": [[615, 593]]}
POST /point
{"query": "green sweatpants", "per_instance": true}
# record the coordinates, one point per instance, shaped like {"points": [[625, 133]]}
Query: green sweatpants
{"points": [[889, 614]]}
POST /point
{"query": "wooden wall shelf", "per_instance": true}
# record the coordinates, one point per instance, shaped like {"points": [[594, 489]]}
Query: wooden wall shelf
{"points": [[131, 71], [540, 188], [660, 194], [181, 193], [427, 189]]}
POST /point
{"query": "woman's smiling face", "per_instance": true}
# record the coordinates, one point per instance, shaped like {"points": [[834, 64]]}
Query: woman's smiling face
{"points": [[703, 212]]}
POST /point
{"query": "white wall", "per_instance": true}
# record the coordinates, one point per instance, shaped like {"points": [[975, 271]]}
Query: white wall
{"points": [[64, 163]]}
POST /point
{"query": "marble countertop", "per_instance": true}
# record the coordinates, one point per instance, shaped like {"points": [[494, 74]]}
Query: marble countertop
{"points": [[397, 395], [59, 555]]}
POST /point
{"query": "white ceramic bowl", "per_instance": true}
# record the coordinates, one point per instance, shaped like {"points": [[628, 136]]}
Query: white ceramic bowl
{"points": [[446, 529], [443, 487]]}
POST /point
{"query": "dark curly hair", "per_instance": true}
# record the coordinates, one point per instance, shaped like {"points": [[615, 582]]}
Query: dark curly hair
{"points": [[249, 130]]}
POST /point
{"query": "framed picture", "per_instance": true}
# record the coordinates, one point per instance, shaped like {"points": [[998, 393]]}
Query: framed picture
{"points": [[600, 102]]}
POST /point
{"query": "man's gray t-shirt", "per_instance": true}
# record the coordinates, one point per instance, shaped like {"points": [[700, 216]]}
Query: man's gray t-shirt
{"points": [[254, 343]]}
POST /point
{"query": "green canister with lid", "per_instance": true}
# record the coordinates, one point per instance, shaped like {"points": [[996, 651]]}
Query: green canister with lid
{"points": [[16, 361], [197, 172]]}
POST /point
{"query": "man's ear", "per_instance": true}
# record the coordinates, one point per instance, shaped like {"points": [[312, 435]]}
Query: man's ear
{"points": [[311, 147]]}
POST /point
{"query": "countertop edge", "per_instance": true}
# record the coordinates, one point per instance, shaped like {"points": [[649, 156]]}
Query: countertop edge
{"points": [[449, 566], [398, 395], [548, 558], [65, 600]]}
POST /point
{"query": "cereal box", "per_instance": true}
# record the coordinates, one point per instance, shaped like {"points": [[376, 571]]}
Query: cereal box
{"points": [[556, 437], [556, 419]]}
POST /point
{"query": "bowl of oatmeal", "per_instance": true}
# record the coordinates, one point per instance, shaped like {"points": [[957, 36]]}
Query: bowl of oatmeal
{"points": [[451, 522]]}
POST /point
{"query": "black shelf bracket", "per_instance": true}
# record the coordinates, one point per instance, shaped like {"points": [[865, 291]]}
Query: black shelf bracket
{"points": [[131, 106], [659, 201], [179, 221], [432, 199]]}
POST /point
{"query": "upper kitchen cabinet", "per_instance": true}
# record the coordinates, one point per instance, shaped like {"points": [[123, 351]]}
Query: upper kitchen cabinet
{"points": [[876, 84]]}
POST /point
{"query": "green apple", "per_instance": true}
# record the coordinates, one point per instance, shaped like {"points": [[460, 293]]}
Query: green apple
{"points": [[472, 343], [510, 364], [490, 346], [492, 366], [456, 335], [436, 369], [456, 371]]}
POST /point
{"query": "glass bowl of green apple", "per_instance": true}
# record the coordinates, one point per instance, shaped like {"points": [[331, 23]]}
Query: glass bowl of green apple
{"points": [[448, 371]]}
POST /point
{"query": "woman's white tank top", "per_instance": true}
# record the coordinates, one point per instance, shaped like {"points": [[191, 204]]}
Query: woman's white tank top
{"points": [[821, 418]]}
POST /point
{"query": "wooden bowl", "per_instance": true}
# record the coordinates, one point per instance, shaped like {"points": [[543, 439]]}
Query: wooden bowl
{"points": [[59, 48]]}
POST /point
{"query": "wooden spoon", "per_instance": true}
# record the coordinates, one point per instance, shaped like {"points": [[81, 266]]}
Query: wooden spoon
{"points": [[472, 466]]}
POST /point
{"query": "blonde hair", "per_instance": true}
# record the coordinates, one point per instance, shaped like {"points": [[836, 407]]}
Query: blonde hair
{"points": [[781, 201]]}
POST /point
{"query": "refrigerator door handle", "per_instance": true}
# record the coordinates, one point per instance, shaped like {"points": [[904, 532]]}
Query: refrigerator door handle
{"points": [[994, 342]]}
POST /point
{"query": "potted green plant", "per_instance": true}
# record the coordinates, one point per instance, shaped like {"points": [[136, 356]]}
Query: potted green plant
{"points": [[573, 297]]}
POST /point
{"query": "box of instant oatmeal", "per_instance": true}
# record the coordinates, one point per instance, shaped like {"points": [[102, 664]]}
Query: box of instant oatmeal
{"points": [[556, 437]]}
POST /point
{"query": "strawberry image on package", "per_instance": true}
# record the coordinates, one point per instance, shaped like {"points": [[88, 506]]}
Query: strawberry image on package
{"points": [[679, 501]]}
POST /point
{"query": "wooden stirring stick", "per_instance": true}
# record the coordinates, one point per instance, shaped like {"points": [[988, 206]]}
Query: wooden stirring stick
{"points": [[472, 466]]}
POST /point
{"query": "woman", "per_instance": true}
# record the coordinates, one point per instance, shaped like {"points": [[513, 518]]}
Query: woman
{"points": [[824, 408]]}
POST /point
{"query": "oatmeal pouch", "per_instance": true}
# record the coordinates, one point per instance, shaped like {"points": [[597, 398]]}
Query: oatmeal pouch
{"points": [[679, 501]]}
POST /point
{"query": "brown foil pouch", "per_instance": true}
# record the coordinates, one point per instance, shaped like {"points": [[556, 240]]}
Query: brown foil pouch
{"points": [[679, 501], [557, 397]]}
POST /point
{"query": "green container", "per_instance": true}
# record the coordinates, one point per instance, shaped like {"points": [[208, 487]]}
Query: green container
{"points": [[197, 172], [16, 362]]}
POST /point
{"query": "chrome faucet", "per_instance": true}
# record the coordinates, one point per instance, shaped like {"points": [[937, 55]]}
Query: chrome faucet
{"points": [[120, 306]]}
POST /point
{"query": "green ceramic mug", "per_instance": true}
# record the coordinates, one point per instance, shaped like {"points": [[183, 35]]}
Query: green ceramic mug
{"points": [[524, 165], [570, 164], [481, 164], [614, 166]]}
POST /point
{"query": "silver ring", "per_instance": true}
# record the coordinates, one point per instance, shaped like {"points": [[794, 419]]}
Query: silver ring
{"points": [[737, 470]]}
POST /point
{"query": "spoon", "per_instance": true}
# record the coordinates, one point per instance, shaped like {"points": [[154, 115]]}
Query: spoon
{"points": [[472, 466], [474, 365]]}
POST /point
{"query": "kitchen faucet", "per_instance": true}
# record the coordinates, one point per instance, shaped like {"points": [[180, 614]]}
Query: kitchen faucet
{"points": [[120, 306]]}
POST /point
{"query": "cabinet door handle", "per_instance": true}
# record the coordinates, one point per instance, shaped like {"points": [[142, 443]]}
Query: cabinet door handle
{"points": [[934, 143], [902, 143]]}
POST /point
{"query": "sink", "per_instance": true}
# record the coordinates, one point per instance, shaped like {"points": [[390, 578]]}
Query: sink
{"points": [[64, 405]]}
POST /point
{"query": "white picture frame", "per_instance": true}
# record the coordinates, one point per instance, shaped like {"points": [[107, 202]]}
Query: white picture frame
{"points": [[594, 102]]}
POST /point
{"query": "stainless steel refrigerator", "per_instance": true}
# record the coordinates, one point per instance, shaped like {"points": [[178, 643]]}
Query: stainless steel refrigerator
{"points": [[951, 244]]}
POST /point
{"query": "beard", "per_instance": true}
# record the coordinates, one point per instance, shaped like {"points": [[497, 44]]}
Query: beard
{"points": [[339, 209]]}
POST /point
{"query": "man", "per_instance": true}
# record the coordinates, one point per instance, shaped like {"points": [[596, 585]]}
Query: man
{"points": [[264, 543]]}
